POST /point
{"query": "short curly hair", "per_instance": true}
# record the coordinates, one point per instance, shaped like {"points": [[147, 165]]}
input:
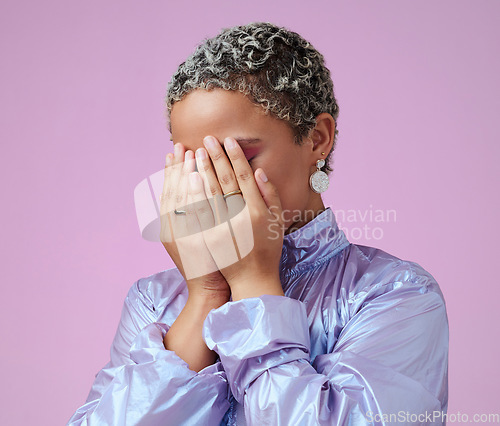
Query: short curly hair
{"points": [[275, 67]]}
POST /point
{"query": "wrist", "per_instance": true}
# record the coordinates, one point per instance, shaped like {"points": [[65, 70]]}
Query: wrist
{"points": [[256, 288], [205, 301]]}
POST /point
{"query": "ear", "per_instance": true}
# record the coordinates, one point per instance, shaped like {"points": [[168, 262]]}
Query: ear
{"points": [[322, 135]]}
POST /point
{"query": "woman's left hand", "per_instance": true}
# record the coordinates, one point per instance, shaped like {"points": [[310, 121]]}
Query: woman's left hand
{"points": [[248, 257]]}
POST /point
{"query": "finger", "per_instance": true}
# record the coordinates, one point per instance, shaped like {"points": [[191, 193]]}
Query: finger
{"points": [[166, 182], [207, 172], [269, 194], [174, 177], [197, 242], [212, 188], [181, 224], [177, 222], [195, 256], [223, 168], [218, 238], [235, 204], [187, 167], [200, 202], [244, 174], [166, 233]]}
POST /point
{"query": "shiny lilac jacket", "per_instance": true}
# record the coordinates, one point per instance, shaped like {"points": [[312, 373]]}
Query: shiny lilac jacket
{"points": [[360, 337]]}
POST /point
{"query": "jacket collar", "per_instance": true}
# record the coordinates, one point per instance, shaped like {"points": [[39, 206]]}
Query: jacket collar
{"points": [[313, 243]]}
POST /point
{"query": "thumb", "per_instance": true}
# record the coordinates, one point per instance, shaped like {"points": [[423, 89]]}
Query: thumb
{"points": [[269, 192]]}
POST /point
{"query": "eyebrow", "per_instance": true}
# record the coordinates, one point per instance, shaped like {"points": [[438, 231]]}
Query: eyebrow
{"points": [[239, 140], [242, 142], [246, 140]]}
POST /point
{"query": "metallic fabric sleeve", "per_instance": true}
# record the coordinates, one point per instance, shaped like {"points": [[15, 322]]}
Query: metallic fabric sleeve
{"points": [[388, 352], [146, 384]]}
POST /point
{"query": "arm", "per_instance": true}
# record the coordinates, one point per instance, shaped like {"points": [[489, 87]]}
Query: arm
{"points": [[390, 357], [184, 337], [146, 384]]}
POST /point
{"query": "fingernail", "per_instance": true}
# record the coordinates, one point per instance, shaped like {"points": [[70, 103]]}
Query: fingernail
{"points": [[177, 149], [189, 161], [209, 142], [229, 143], [262, 176], [201, 154], [169, 159]]}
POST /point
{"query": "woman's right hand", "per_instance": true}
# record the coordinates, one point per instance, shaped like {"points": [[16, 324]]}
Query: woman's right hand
{"points": [[181, 235]]}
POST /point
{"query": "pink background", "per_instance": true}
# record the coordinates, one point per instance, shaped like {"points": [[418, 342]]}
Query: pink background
{"points": [[82, 123]]}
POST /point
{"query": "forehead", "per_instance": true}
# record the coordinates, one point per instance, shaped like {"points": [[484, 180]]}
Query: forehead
{"points": [[217, 111]]}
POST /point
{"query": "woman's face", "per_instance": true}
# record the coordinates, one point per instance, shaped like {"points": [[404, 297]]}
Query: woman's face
{"points": [[267, 143]]}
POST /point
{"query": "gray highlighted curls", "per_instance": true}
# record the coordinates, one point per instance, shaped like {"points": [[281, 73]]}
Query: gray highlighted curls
{"points": [[275, 67]]}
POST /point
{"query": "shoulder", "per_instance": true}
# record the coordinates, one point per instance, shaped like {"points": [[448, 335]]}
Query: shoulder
{"points": [[367, 274], [376, 267], [392, 314]]}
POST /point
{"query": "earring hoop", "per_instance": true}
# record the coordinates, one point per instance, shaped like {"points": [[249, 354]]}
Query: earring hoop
{"points": [[319, 181]]}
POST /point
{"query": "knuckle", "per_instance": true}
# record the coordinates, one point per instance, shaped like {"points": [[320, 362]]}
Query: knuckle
{"points": [[217, 156], [214, 190], [226, 179], [245, 176], [205, 167], [179, 198], [203, 209], [170, 193]]}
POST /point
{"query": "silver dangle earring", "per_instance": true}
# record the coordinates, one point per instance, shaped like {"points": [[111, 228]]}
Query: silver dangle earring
{"points": [[319, 181]]}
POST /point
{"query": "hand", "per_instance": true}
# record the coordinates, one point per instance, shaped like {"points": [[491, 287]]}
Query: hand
{"points": [[180, 233], [255, 219]]}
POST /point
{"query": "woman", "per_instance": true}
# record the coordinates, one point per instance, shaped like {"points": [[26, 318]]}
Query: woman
{"points": [[272, 316]]}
